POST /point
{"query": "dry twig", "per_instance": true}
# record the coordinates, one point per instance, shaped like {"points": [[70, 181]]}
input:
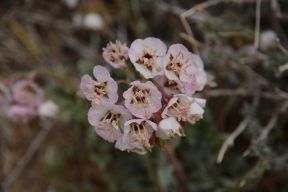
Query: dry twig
{"points": [[257, 24], [177, 168], [230, 140], [22, 163], [268, 128]]}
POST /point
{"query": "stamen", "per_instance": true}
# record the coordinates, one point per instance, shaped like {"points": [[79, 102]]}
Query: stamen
{"points": [[140, 96], [100, 88], [30, 89], [147, 59], [111, 118]]}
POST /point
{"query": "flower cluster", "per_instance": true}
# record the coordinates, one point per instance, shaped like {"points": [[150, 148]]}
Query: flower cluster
{"points": [[156, 106], [25, 101]]}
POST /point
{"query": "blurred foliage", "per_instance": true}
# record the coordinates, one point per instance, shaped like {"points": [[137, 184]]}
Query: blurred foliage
{"points": [[39, 39]]}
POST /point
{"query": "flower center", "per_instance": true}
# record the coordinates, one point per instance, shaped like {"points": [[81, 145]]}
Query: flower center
{"points": [[29, 89], [100, 88], [139, 133], [179, 110], [147, 60], [111, 118], [174, 64], [171, 84], [176, 133], [140, 96], [116, 55]]}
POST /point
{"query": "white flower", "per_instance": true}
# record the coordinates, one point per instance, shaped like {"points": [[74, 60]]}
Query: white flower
{"points": [[48, 109], [91, 21], [146, 56], [268, 39], [169, 128], [185, 108], [71, 3]]}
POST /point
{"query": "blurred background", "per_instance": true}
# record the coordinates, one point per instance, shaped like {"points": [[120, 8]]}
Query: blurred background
{"points": [[241, 143]]}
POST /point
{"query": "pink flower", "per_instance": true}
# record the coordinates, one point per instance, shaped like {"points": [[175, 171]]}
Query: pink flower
{"points": [[146, 55], [142, 99], [180, 64], [103, 90], [184, 108], [169, 128], [20, 113], [26, 92], [137, 133], [108, 120], [172, 87], [116, 54]]}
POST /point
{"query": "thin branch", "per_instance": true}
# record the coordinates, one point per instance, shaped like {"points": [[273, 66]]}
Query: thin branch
{"points": [[177, 168], [201, 6], [242, 126], [22, 163], [272, 122], [268, 128], [153, 172], [257, 24], [230, 140], [281, 47], [245, 92], [192, 11], [275, 6], [282, 68]]}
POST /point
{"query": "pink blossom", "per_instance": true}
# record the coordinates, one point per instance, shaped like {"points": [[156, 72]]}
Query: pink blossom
{"points": [[142, 99], [102, 90], [172, 87], [137, 133], [108, 120], [180, 64], [116, 54], [26, 92], [184, 108], [146, 55], [20, 113], [169, 128]]}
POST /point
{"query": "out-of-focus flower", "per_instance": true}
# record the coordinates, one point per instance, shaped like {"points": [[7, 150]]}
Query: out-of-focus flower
{"points": [[137, 133], [146, 55], [142, 99], [184, 108], [5, 98], [180, 64], [108, 120], [26, 92], [103, 90], [92, 21], [48, 109], [20, 113], [169, 128], [116, 54], [268, 40], [71, 3]]}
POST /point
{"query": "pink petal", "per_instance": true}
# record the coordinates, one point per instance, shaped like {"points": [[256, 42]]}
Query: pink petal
{"points": [[101, 73], [27, 92], [86, 87]]}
